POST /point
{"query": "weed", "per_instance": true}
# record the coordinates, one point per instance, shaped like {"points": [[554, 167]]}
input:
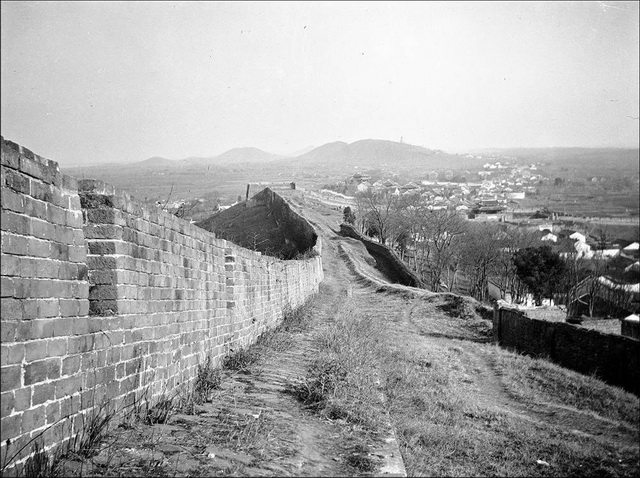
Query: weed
{"points": [[308, 254], [358, 457], [39, 465], [207, 380], [241, 360], [95, 427], [341, 383], [160, 412]]}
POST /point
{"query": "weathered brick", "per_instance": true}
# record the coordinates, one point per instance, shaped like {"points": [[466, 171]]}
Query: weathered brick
{"points": [[23, 331], [6, 404], [10, 377], [16, 223], [12, 353], [70, 364], [8, 330], [10, 157], [44, 170], [13, 244], [35, 350], [12, 201], [42, 393], [10, 427], [101, 262], [35, 208], [38, 247], [60, 251], [33, 418], [77, 253], [103, 231], [42, 370], [47, 268], [69, 307], [7, 288], [103, 292], [48, 308], [73, 219], [22, 399], [17, 181], [103, 216], [11, 309], [68, 386], [52, 412], [103, 307], [42, 328], [103, 276]]}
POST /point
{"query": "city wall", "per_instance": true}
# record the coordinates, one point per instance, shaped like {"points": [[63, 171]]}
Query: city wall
{"points": [[104, 300], [388, 262], [612, 358]]}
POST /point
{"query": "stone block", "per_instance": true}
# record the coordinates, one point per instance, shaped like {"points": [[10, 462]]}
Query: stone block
{"points": [[10, 377]]}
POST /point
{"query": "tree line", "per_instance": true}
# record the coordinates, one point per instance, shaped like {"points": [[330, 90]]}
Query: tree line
{"points": [[450, 253]]}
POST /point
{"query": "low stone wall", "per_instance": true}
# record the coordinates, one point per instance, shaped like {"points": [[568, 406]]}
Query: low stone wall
{"points": [[388, 262], [104, 300], [612, 358]]}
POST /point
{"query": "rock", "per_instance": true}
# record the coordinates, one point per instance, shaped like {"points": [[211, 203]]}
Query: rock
{"points": [[168, 448], [223, 453]]}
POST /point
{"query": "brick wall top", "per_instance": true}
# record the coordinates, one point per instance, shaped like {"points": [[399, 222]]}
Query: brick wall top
{"points": [[20, 158]]}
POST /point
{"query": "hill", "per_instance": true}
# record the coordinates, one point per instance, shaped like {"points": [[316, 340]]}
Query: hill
{"points": [[375, 153], [236, 156]]}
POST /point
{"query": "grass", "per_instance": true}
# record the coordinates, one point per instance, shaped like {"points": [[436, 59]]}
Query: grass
{"points": [[278, 339], [341, 383], [539, 380], [449, 423]]}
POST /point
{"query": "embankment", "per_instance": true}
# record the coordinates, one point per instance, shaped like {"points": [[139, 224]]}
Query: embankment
{"points": [[388, 263]]}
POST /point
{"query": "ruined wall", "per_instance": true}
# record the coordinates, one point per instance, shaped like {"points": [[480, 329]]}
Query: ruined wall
{"points": [[612, 358], [388, 262], [103, 298]]}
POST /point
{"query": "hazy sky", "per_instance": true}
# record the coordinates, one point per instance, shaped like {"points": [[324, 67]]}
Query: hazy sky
{"points": [[90, 82]]}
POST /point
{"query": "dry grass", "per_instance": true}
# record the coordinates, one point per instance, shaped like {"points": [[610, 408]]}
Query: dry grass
{"points": [[539, 380], [451, 420], [342, 382]]}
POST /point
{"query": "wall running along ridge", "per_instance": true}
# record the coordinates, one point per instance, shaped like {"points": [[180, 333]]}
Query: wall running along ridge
{"points": [[388, 262], [612, 358], [103, 299]]}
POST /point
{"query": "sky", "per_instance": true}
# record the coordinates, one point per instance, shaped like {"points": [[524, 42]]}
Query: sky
{"points": [[93, 82]]}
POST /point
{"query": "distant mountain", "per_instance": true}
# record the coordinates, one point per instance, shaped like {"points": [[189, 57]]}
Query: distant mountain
{"points": [[155, 161], [298, 152], [236, 156], [374, 153]]}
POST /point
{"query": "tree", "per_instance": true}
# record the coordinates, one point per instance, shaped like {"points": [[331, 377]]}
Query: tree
{"points": [[349, 215], [541, 270], [377, 210], [440, 232], [480, 257]]}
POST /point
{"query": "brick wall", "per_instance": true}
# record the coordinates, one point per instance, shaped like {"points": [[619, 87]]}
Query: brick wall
{"points": [[613, 358], [103, 298]]}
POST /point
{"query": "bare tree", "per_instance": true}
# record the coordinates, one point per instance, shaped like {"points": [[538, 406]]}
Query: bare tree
{"points": [[440, 231], [377, 209]]}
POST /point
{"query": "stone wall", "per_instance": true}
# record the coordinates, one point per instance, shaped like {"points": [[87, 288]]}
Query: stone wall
{"points": [[612, 358], [103, 299]]}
